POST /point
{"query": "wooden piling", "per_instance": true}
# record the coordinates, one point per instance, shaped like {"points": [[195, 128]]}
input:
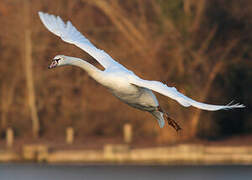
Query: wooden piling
{"points": [[69, 135], [9, 137], [127, 133]]}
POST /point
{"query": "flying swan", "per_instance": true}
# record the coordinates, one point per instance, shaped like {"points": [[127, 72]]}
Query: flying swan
{"points": [[120, 81]]}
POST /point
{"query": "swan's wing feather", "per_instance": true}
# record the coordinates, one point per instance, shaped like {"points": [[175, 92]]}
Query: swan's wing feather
{"points": [[68, 33], [179, 97]]}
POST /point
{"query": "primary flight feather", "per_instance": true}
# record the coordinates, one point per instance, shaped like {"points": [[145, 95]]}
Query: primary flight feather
{"points": [[122, 83]]}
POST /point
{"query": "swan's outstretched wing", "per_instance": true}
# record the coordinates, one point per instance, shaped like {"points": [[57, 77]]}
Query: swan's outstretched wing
{"points": [[179, 97], [68, 33]]}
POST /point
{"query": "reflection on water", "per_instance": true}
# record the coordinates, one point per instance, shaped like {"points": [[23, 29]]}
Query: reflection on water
{"points": [[123, 172]]}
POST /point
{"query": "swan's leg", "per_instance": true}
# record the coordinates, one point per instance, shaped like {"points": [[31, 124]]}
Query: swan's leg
{"points": [[171, 121]]}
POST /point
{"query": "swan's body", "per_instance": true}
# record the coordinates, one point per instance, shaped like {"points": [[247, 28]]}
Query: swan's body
{"points": [[116, 79], [122, 83]]}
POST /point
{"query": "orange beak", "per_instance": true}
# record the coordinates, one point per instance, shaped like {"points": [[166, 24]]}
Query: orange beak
{"points": [[53, 64]]}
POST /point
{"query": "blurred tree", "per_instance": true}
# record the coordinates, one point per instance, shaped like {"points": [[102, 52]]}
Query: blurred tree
{"points": [[194, 45], [29, 70]]}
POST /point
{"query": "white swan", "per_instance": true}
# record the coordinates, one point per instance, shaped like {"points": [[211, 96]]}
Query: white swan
{"points": [[123, 83]]}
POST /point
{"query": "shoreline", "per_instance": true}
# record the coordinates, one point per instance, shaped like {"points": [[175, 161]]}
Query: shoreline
{"points": [[182, 154]]}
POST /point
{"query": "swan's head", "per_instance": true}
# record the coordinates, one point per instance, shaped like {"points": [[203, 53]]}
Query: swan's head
{"points": [[59, 60]]}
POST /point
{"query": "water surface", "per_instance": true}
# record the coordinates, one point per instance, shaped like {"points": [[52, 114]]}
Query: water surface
{"points": [[122, 172]]}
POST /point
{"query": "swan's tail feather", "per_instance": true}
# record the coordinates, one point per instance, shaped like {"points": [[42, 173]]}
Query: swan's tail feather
{"points": [[160, 118]]}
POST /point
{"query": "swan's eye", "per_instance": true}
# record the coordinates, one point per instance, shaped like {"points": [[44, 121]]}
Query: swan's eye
{"points": [[57, 60]]}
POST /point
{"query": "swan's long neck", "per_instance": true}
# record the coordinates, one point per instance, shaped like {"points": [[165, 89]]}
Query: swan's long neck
{"points": [[89, 68]]}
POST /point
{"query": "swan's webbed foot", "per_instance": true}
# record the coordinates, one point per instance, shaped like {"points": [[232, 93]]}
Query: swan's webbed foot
{"points": [[173, 123], [170, 121]]}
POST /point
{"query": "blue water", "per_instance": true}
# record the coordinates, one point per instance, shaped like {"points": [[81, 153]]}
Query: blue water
{"points": [[122, 172]]}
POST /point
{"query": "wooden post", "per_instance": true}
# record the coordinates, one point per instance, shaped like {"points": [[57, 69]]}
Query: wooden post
{"points": [[9, 137], [127, 133], [69, 135]]}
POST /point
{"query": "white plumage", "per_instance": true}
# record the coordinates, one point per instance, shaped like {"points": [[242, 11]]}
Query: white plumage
{"points": [[123, 83]]}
